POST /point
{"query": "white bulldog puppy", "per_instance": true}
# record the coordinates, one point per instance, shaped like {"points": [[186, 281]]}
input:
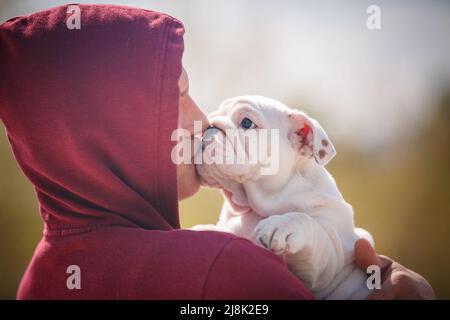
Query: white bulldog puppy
{"points": [[297, 210]]}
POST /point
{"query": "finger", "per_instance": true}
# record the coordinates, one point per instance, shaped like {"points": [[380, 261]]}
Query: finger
{"points": [[382, 295], [387, 292], [384, 261], [365, 255]]}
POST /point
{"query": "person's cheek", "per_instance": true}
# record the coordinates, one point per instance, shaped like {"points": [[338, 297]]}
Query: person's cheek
{"points": [[188, 179], [181, 113]]}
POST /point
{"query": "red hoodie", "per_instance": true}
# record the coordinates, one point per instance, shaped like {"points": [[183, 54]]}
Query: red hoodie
{"points": [[89, 113]]}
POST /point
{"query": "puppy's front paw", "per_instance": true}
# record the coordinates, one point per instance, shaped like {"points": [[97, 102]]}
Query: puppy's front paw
{"points": [[279, 234]]}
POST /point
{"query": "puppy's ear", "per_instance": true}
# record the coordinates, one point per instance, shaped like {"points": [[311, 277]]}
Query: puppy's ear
{"points": [[310, 139]]}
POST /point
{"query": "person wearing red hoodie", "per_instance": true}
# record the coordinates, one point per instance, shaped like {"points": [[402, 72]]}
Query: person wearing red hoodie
{"points": [[89, 113]]}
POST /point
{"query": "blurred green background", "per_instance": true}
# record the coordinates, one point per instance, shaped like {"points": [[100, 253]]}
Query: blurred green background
{"points": [[383, 97]]}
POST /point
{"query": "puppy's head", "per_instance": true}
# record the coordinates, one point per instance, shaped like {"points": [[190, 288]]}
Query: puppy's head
{"points": [[248, 134]]}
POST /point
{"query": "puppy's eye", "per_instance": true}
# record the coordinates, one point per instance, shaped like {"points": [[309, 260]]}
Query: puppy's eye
{"points": [[246, 123]]}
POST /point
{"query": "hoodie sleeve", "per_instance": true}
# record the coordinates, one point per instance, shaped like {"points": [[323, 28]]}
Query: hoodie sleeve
{"points": [[244, 271]]}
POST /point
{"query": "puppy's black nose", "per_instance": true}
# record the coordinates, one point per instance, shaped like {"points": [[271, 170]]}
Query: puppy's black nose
{"points": [[210, 135]]}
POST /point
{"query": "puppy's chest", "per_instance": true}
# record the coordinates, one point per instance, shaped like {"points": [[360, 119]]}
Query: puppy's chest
{"points": [[302, 195], [301, 188]]}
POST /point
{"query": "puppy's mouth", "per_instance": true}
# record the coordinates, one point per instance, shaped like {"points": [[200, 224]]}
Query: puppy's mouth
{"points": [[227, 159], [238, 209]]}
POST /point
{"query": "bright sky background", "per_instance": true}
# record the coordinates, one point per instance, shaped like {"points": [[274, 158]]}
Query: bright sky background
{"points": [[365, 87]]}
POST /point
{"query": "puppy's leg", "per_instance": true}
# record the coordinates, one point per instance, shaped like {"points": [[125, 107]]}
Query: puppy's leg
{"points": [[205, 227], [313, 249]]}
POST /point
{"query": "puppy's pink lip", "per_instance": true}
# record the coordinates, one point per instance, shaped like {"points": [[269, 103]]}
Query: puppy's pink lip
{"points": [[238, 208]]}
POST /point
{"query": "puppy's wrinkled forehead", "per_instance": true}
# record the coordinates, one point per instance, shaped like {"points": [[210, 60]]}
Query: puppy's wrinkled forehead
{"points": [[263, 107]]}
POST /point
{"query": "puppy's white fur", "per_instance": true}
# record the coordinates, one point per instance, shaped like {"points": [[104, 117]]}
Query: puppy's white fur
{"points": [[299, 212]]}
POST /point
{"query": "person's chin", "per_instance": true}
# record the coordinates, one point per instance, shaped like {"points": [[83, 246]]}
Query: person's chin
{"points": [[189, 185], [188, 192]]}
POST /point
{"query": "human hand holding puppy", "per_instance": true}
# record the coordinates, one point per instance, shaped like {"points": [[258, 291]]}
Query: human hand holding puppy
{"points": [[398, 282]]}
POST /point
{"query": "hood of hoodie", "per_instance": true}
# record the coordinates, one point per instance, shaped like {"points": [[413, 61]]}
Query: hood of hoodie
{"points": [[89, 114]]}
